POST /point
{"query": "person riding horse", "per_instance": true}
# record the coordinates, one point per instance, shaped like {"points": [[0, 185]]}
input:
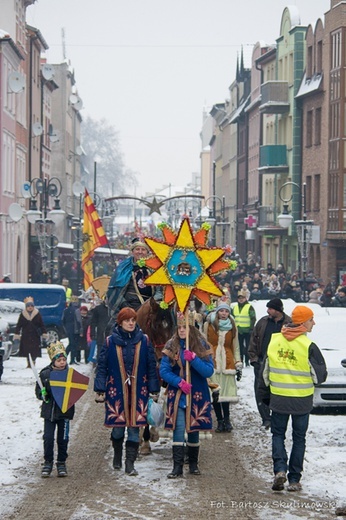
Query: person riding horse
{"points": [[126, 287]]}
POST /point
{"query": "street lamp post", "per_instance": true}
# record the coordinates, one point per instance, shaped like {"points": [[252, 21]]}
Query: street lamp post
{"points": [[212, 218], [45, 220], [303, 227]]}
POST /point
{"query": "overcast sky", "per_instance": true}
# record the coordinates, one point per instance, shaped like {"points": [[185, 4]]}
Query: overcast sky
{"points": [[150, 67]]}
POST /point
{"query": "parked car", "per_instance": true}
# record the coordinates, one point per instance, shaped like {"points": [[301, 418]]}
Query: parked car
{"points": [[10, 311], [50, 299], [5, 343], [329, 334]]}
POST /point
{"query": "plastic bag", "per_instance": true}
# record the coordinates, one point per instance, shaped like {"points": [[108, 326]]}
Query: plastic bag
{"points": [[155, 415]]}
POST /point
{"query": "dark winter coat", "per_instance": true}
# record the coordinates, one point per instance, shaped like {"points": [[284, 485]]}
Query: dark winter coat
{"points": [[126, 372], [198, 406], [50, 410], [99, 321], [83, 341], [257, 349], [71, 320], [31, 328]]}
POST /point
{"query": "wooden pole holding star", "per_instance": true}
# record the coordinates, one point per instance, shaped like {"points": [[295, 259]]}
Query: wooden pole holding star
{"points": [[184, 266]]}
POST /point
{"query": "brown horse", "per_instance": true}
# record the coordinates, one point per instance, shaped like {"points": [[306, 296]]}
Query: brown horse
{"points": [[157, 323]]}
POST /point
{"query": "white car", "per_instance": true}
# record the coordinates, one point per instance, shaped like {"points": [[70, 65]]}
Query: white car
{"points": [[5, 343], [10, 311], [329, 334]]}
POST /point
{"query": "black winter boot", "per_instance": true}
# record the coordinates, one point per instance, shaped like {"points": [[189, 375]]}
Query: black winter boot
{"points": [[61, 468], [131, 455], [193, 460], [186, 454], [118, 452], [46, 469], [228, 425], [178, 462], [220, 427]]}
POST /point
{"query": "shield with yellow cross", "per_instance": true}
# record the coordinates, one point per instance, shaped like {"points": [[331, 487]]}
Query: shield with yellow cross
{"points": [[67, 387]]}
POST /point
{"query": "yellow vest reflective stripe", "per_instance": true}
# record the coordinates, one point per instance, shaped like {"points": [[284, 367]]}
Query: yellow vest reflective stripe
{"points": [[289, 369], [242, 317]]}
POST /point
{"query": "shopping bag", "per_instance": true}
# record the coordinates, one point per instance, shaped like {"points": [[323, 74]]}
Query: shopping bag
{"points": [[155, 415]]}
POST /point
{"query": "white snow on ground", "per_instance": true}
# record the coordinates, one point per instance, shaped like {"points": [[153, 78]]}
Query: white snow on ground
{"points": [[325, 462]]}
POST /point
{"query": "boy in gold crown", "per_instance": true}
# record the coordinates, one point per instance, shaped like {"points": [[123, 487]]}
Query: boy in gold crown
{"points": [[52, 414]]}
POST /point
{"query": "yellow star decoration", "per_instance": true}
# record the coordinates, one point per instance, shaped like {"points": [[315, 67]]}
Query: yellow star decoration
{"points": [[184, 265]]}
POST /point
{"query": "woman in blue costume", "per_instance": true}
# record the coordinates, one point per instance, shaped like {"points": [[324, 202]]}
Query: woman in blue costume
{"points": [[126, 376]]}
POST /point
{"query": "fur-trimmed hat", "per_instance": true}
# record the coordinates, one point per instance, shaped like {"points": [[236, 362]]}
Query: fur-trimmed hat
{"points": [[56, 350], [126, 314], [137, 242], [301, 314]]}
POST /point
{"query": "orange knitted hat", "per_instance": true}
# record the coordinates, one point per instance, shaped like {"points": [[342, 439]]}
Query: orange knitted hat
{"points": [[301, 314]]}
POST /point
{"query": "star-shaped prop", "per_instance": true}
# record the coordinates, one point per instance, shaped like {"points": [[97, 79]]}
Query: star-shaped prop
{"points": [[184, 265], [155, 205]]}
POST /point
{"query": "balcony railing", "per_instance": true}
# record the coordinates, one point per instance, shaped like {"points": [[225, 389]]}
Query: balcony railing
{"points": [[273, 158], [274, 97], [267, 216]]}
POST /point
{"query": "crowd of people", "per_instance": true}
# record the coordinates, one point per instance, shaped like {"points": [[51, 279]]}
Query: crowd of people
{"points": [[264, 283], [200, 366]]}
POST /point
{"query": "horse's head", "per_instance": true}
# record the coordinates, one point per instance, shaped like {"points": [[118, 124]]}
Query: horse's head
{"points": [[158, 323]]}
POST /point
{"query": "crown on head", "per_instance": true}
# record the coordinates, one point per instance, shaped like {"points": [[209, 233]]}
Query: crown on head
{"points": [[56, 349], [29, 299]]}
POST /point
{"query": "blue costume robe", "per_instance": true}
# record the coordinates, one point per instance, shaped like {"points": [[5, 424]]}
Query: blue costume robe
{"points": [[126, 372], [198, 406]]}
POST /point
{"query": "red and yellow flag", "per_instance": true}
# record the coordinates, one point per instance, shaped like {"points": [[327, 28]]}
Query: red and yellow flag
{"points": [[93, 237]]}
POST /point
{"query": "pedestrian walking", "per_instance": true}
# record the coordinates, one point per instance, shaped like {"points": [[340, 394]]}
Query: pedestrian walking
{"points": [[98, 324], [125, 377], [72, 323], [259, 341], [54, 418], [30, 330], [83, 344], [245, 318], [221, 332], [294, 364]]}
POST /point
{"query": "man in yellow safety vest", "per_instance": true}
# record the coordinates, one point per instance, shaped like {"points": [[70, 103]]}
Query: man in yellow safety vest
{"points": [[294, 364], [245, 318]]}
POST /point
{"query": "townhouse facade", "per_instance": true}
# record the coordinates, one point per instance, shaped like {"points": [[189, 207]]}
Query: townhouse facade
{"points": [[39, 135], [290, 131]]}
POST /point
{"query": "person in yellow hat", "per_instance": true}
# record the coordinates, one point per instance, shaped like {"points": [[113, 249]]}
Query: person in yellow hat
{"points": [[294, 364]]}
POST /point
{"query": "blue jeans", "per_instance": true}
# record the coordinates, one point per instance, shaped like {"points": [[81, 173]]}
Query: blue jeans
{"points": [[179, 432], [132, 433], [300, 425]]}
